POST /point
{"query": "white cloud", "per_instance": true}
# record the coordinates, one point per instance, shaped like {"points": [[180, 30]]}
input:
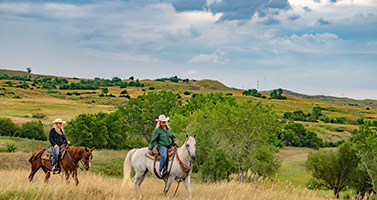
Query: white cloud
{"points": [[203, 58]]}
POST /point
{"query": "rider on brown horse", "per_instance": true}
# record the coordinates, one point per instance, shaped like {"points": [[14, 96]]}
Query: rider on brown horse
{"points": [[57, 139]]}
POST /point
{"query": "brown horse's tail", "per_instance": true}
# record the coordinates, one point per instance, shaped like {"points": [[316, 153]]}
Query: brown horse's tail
{"points": [[36, 154]]}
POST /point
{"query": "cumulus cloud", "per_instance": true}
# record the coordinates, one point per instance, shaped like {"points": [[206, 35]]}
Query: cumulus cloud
{"points": [[205, 58], [245, 9], [234, 10], [271, 21], [307, 9], [184, 5], [293, 17], [322, 22]]}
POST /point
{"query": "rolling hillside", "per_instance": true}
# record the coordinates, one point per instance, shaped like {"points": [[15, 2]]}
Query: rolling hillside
{"points": [[26, 104]]}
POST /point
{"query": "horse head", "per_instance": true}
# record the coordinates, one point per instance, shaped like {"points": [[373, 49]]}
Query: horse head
{"points": [[87, 157], [191, 146]]}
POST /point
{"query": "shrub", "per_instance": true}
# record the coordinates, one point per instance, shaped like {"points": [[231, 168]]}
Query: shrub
{"points": [[186, 93], [10, 146], [33, 130], [38, 115], [340, 120], [124, 92], [7, 127]]}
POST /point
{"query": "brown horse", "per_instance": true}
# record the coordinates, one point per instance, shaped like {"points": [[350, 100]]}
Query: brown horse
{"points": [[69, 163]]}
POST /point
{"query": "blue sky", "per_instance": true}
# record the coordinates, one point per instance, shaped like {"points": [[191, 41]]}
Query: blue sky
{"points": [[316, 47]]}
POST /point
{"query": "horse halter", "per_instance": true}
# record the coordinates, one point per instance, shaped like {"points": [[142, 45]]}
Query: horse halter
{"points": [[187, 149], [88, 158]]}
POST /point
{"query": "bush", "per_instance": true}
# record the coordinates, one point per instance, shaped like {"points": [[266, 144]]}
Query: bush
{"points": [[186, 93], [340, 120], [33, 130], [10, 146], [7, 127], [124, 92], [38, 115]]}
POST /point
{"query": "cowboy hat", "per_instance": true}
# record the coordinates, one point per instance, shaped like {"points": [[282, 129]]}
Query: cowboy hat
{"points": [[58, 120], [162, 118]]}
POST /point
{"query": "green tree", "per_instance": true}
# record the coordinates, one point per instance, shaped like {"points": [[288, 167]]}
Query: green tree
{"points": [[88, 130], [333, 169], [245, 132], [33, 130], [365, 141], [277, 94], [105, 90], [139, 114], [28, 70], [7, 127]]}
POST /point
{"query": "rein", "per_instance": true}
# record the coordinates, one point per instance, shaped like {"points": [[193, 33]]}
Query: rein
{"points": [[77, 164]]}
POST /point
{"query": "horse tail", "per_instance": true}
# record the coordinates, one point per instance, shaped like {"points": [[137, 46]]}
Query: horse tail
{"points": [[127, 168]]}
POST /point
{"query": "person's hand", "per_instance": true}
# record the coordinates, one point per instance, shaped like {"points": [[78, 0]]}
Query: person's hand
{"points": [[68, 142], [176, 143], [149, 151], [56, 146]]}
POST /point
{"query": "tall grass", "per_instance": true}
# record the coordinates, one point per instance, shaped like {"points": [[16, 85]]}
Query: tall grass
{"points": [[14, 185]]}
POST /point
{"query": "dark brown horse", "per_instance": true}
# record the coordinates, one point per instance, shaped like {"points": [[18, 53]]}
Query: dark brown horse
{"points": [[69, 163]]}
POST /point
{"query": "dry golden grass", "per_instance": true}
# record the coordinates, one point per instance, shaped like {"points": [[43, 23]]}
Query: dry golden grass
{"points": [[15, 185]]}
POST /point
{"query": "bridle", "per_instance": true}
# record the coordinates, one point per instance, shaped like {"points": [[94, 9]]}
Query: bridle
{"points": [[85, 162]]}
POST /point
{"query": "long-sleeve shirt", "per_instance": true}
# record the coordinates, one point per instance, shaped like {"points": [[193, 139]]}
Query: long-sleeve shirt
{"points": [[56, 138], [162, 138]]}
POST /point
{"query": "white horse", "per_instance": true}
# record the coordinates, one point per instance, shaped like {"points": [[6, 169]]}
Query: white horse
{"points": [[143, 164]]}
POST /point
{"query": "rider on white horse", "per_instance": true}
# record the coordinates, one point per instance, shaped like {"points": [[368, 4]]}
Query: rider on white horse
{"points": [[164, 137]]}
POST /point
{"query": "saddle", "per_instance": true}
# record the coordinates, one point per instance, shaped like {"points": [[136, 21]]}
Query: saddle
{"points": [[156, 155], [48, 153]]}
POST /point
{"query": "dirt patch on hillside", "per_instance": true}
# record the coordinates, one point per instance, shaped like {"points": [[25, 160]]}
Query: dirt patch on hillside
{"points": [[193, 87]]}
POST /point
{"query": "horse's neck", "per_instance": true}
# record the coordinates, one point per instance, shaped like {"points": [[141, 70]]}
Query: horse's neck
{"points": [[183, 154], [74, 153]]}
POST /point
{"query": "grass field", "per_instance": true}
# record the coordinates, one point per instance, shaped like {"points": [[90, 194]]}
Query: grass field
{"points": [[107, 168], [14, 185]]}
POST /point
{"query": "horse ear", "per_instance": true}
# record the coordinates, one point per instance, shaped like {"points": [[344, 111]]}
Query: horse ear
{"points": [[187, 136], [92, 149], [194, 135]]}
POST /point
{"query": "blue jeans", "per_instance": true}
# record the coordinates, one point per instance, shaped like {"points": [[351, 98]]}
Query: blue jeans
{"points": [[164, 153], [56, 154]]}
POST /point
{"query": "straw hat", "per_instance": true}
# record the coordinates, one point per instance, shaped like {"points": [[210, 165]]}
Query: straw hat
{"points": [[58, 120], [162, 118]]}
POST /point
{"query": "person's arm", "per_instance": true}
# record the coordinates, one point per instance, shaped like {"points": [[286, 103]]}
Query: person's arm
{"points": [[153, 140]]}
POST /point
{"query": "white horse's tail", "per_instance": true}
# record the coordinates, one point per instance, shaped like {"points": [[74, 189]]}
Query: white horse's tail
{"points": [[127, 169]]}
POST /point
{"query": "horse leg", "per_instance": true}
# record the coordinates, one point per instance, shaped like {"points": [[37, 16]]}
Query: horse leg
{"points": [[48, 174], [75, 177], [168, 182], [187, 185], [67, 176], [34, 169], [138, 179]]}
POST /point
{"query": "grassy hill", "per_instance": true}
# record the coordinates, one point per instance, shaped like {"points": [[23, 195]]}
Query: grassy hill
{"points": [[23, 105]]}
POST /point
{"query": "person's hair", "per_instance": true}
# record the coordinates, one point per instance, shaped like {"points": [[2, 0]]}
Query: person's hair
{"points": [[158, 124], [57, 129]]}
